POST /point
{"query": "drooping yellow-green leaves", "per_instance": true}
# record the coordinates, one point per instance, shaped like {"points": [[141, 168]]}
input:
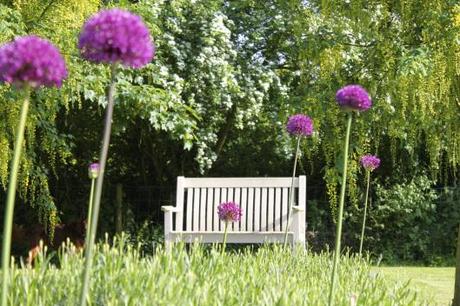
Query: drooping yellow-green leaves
{"points": [[227, 77]]}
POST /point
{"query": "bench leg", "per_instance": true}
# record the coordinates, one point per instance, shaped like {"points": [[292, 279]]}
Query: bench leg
{"points": [[168, 230], [298, 228], [168, 245]]}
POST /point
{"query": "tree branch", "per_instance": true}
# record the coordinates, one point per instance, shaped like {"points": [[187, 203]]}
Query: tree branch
{"points": [[34, 22], [225, 130]]}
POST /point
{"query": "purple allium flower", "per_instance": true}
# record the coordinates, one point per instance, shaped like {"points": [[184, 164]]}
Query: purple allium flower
{"points": [[93, 170], [370, 162], [300, 125], [353, 97], [33, 61], [229, 212], [116, 36]]}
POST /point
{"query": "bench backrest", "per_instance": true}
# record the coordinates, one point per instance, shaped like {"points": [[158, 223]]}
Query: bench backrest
{"points": [[264, 202]]}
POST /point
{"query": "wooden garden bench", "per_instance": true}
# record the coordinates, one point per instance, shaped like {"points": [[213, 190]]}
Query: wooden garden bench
{"points": [[264, 201]]}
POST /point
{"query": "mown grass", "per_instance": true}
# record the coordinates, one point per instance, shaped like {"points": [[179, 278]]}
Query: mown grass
{"points": [[202, 276], [434, 282]]}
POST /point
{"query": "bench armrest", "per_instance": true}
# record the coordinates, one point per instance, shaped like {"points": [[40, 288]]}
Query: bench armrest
{"points": [[170, 208], [296, 208]]}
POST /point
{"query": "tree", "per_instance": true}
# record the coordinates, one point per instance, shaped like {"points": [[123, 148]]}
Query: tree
{"points": [[226, 76]]}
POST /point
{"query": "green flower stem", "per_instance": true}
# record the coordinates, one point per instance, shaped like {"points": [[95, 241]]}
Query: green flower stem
{"points": [[90, 211], [338, 235], [291, 192], [98, 191], [9, 212], [365, 212], [225, 237]]}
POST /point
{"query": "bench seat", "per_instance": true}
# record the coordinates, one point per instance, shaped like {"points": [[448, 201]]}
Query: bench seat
{"points": [[232, 237]]}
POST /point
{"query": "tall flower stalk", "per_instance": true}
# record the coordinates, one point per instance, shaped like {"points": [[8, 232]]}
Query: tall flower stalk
{"points": [[370, 163], [93, 173], [350, 98], [228, 212], [26, 63], [115, 37], [224, 242], [94, 211], [12, 183], [298, 125]]}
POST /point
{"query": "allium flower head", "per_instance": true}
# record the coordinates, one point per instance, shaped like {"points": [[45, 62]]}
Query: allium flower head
{"points": [[353, 97], [93, 170], [300, 125], [116, 36], [33, 61], [229, 212], [370, 162]]}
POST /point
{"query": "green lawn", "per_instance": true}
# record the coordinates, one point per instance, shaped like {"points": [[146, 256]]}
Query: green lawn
{"points": [[435, 282]]}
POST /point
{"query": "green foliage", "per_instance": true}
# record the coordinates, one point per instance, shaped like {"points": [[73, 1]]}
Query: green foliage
{"points": [[226, 76], [198, 277], [146, 235], [45, 146], [404, 212], [445, 229], [410, 222], [405, 56]]}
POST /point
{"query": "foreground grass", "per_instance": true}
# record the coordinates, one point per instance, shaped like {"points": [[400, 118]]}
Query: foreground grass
{"points": [[435, 282], [268, 276]]}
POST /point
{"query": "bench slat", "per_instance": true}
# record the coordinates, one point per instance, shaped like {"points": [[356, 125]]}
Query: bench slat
{"points": [[196, 209], [188, 222], [230, 192], [237, 200], [277, 210], [244, 207], [263, 211], [250, 209], [256, 209], [209, 209], [215, 224], [271, 209], [284, 208], [203, 196], [223, 198]]}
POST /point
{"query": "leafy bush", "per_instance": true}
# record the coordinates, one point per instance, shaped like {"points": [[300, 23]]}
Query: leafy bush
{"points": [[146, 235], [320, 230], [269, 276], [412, 222], [403, 219], [445, 229]]}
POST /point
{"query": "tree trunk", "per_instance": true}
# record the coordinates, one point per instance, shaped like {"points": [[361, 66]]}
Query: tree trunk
{"points": [[456, 301], [225, 130], [119, 208]]}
